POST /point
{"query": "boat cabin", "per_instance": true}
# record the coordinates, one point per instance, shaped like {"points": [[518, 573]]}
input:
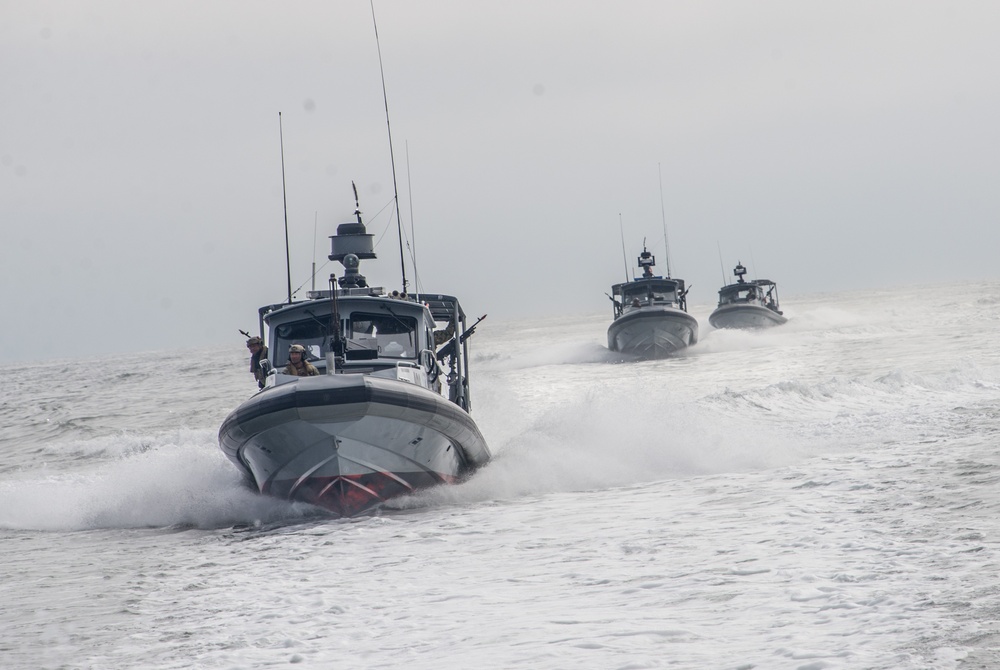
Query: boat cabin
{"points": [[655, 291], [739, 293], [354, 328], [413, 339], [761, 292], [378, 333]]}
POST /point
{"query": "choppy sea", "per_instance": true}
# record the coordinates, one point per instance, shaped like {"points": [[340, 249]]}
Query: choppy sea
{"points": [[825, 494]]}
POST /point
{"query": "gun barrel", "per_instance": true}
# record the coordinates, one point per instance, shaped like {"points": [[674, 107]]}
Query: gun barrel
{"points": [[471, 329]]}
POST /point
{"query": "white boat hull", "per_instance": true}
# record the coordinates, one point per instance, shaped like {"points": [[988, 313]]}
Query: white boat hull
{"points": [[347, 443], [652, 332], [745, 316]]}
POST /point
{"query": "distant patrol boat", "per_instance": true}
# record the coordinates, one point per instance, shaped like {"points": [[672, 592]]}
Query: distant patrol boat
{"points": [[747, 304], [650, 314]]}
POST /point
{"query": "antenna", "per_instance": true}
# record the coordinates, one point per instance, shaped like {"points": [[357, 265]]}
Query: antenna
{"points": [[357, 203], [752, 263], [721, 266], [624, 257], [392, 158], [315, 226], [413, 237], [663, 213], [284, 202]]}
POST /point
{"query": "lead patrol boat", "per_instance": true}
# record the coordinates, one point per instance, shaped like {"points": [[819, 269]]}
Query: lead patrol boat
{"points": [[650, 314], [389, 412]]}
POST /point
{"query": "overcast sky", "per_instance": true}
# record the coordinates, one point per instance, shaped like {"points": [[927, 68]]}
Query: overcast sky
{"points": [[829, 146]]}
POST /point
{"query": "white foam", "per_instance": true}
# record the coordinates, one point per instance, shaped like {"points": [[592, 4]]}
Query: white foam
{"points": [[177, 480]]}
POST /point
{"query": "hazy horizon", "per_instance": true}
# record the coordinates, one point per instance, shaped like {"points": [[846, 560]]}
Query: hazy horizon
{"points": [[829, 148]]}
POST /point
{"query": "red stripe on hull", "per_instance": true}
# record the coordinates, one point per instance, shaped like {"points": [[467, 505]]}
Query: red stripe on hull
{"points": [[353, 495]]}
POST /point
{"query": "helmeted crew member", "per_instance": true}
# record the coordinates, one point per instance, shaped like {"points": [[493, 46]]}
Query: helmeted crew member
{"points": [[297, 364]]}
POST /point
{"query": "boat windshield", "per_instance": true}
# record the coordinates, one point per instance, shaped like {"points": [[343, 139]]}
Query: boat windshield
{"points": [[738, 295], [648, 293], [635, 293], [390, 335], [314, 334], [664, 294]]}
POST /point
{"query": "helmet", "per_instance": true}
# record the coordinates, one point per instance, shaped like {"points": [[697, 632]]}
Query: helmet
{"points": [[296, 348], [254, 340]]}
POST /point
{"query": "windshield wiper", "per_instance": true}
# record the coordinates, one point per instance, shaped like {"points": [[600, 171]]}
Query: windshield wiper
{"points": [[406, 326]]}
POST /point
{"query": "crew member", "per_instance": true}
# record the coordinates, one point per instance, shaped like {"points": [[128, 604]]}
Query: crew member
{"points": [[297, 364], [258, 352], [442, 336]]}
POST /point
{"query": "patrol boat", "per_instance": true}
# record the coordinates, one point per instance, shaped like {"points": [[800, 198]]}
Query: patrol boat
{"points": [[650, 314], [389, 412], [747, 304]]}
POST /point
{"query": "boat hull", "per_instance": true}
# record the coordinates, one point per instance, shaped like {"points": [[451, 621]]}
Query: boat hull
{"points": [[652, 332], [348, 443], [745, 316]]}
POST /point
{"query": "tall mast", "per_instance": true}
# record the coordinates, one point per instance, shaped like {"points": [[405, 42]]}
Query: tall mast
{"points": [[663, 213], [621, 227], [392, 158], [721, 266], [284, 202]]}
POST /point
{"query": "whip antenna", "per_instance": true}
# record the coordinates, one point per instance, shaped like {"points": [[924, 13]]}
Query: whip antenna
{"points": [[721, 266], [315, 226], [392, 158], [413, 235], [284, 202], [624, 257], [663, 213]]}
